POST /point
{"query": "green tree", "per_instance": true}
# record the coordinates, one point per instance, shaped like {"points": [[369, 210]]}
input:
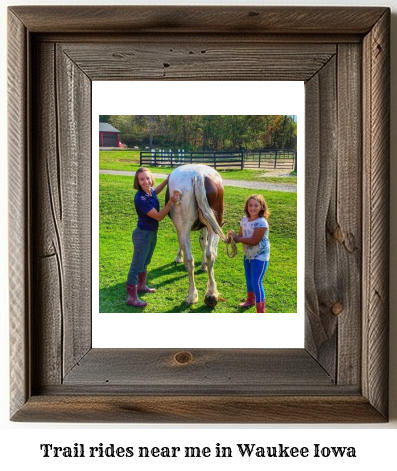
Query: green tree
{"points": [[207, 132]]}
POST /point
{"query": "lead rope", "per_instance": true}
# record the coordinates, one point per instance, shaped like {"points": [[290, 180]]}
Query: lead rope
{"points": [[230, 242]]}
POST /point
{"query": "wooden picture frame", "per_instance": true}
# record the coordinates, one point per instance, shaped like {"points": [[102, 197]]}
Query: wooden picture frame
{"points": [[342, 54]]}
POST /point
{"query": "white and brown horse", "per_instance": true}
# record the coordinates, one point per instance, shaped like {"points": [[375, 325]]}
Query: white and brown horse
{"points": [[200, 208]]}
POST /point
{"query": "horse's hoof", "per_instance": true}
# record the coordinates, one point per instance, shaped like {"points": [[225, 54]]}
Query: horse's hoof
{"points": [[211, 300], [191, 299]]}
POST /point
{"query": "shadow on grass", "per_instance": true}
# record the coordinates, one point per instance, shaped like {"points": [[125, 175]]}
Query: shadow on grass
{"points": [[113, 299]]}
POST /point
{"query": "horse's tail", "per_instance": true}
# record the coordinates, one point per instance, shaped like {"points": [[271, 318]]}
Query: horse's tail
{"points": [[208, 214]]}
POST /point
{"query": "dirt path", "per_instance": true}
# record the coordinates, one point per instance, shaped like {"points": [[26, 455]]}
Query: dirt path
{"points": [[286, 187]]}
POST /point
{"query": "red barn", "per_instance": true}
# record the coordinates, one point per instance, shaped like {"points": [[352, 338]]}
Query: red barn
{"points": [[108, 136]]}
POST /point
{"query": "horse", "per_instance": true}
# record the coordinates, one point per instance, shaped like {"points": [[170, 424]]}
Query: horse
{"points": [[200, 207]]}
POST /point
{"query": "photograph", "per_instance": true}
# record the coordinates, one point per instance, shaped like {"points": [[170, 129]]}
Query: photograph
{"points": [[207, 199], [198, 214]]}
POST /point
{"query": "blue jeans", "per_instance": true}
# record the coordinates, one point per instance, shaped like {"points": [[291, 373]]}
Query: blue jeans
{"points": [[254, 272], [144, 245]]}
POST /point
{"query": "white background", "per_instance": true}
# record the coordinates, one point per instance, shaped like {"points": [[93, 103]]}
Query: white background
{"points": [[19, 446], [216, 330]]}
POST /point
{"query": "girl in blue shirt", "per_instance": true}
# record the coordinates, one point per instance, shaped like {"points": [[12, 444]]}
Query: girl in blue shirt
{"points": [[144, 236]]}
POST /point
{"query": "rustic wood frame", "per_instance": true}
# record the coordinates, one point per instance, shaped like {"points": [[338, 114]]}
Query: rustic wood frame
{"points": [[343, 56]]}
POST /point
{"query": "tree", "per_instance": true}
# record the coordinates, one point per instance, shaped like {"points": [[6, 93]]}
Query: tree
{"points": [[207, 132]]}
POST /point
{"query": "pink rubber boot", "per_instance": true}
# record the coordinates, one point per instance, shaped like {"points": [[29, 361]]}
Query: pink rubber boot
{"points": [[133, 299], [250, 300], [261, 307], [142, 287]]}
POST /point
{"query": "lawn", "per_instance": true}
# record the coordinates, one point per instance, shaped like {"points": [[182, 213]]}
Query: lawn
{"points": [[118, 219], [128, 160]]}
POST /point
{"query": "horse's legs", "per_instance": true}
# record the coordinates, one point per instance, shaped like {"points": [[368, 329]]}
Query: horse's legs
{"points": [[211, 296], [203, 244], [179, 256], [185, 246]]}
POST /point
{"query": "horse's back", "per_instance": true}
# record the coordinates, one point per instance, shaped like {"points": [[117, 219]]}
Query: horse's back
{"points": [[182, 177]]}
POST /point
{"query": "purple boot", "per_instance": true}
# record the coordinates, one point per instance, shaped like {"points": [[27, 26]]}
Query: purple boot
{"points": [[133, 299], [142, 287]]}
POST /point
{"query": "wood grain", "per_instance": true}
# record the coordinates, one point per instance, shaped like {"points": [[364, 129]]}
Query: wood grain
{"points": [[228, 370], [198, 19], [19, 223], [321, 162], [47, 202], [63, 213], [140, 59], [74, 144], [199, 409], [375, 322], [341, 375], [346, 227]]}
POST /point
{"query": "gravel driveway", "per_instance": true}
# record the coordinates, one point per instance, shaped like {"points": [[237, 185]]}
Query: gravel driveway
{"points": [[286, 187]]}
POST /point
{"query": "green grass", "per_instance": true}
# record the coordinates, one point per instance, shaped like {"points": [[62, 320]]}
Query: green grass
{"points": [[118, 219], [129, 161]]}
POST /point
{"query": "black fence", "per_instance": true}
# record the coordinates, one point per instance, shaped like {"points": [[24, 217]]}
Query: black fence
{"points": [[175, 159], [271, 159], [266, 159]]}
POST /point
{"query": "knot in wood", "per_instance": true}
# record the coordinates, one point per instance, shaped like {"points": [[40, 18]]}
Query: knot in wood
{"points": [[338, 235], [183, 358], [337, 308]]}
